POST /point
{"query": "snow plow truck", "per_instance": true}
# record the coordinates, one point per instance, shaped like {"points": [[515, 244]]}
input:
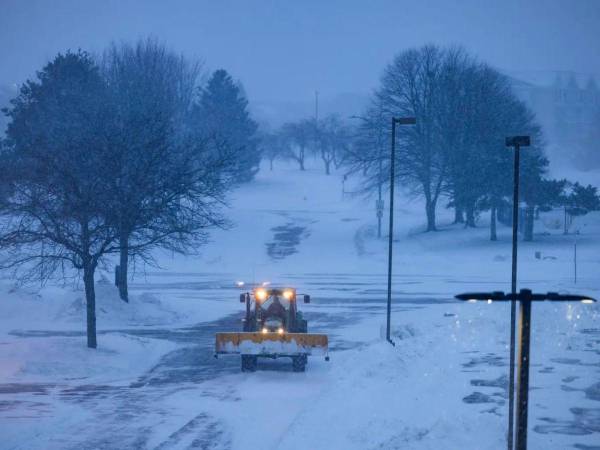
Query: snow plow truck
{"points": [[272, 328]]}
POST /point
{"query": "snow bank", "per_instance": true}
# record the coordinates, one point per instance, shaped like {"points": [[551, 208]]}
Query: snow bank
{"points": [[64, 308], [119, 357], [42, 335]]}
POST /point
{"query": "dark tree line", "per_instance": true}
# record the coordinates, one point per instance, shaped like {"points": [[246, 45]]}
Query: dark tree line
{"points": [[573, 198], [464, 110], [122, 155], [328, 139]]}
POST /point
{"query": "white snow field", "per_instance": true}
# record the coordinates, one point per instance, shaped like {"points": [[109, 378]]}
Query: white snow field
{"points": [[153, 382]]}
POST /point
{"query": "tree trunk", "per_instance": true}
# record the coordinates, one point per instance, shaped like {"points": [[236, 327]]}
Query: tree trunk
{"points": [[90, 300], [529, 215], [123, 263], [458, 215], [470, 217], [327, 167], [301, 159], [430, 211], [493, 236], [271, 164]]}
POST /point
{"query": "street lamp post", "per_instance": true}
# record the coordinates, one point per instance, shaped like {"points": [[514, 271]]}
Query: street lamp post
{"points": [[525, 297], [517, 142], [399, 121]]}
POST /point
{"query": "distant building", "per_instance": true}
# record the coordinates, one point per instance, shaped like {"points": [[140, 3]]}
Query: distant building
{"points": [[567, 106]]}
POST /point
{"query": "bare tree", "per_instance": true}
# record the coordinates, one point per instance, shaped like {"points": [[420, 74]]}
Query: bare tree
{"points": [[409, 87], [298, 138], [370, 147], [534, 165], [167, 181], [477, 110], [464, 109], [272, 146], [472, 103], [332, 140]]}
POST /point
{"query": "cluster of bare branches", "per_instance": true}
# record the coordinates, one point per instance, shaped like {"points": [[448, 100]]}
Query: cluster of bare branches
{"points": [[105, 158], [328, 139], [464, 110], [166, 180]]}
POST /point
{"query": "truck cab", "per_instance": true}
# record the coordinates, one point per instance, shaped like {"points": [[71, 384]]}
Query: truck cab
{"points": [[273, 311]]}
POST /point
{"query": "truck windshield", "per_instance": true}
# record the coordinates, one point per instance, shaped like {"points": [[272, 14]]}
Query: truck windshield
{"points": [[284, 302]]}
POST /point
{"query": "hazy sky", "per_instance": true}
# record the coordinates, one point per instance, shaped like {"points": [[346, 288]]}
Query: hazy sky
{"points": [[284, 50]]}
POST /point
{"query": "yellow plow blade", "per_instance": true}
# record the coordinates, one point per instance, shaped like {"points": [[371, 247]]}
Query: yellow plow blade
{"points": [[272, 344]]}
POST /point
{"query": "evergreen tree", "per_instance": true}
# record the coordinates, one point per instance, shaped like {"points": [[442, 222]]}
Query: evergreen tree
{"points": [[57, 168], [224, 121], [583, 199]]}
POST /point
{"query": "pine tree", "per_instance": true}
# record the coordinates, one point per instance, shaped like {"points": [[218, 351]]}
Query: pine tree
{"points": [[583, 199], [224, 120], [57, 171]]}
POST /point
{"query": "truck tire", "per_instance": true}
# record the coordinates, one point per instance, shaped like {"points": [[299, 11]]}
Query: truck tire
{"points": [[299, 363], [301, 326], [249, 363], [250, 324]]}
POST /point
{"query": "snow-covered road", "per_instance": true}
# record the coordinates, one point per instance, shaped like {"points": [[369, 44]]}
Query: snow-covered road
{"points": [[446, 378], [123, 412]]}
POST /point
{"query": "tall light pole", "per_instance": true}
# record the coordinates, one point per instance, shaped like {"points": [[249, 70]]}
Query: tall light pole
{"points": [[525, 298], [517, 142], [399, 121], [379, 202]]}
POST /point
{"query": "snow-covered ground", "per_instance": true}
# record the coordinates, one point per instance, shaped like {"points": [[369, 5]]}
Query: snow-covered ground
{"points": [[154, 384]]}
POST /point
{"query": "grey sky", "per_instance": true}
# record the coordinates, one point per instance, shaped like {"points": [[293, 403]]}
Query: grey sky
{"points": [[284, 50]]}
